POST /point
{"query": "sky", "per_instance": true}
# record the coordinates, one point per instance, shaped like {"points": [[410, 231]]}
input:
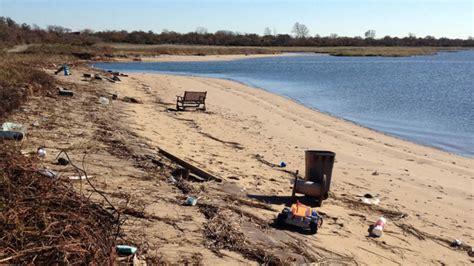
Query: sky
{"points": [[439, 18]]}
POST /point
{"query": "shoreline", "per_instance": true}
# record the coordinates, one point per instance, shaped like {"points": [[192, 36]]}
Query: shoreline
{"points": [[174, 58], [318, 112]]}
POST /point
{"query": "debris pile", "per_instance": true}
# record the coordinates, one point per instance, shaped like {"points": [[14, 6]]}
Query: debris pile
{"points": [[43, 221], [222, 232]]}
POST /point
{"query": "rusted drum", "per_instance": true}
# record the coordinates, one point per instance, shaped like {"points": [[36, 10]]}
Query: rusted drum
{"points": [[308, 188], [319, 164]]}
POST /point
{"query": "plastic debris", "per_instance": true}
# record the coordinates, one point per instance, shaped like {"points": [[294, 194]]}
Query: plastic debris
{"points": [[456, 243], [11, 135], [8, 126], [12, 131], [377, 228], [41, 152], [82, 177], [172, 180], [370, 201], [62, 161], [65, 92], [125, 250], [191, 201], [65, 69], [104, 101], [282, 164], [48, 173]]}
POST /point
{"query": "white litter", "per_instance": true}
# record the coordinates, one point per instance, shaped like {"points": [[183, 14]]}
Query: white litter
{"points": [[372, 201], [82, 177]]}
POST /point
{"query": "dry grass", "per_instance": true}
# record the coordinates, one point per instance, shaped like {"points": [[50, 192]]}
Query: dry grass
{"points": [[121, 49], [76, 51], [19, 78], [43, 221]]}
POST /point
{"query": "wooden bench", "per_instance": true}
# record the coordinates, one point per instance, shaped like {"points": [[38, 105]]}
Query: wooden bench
{"points": [[191, 99]]}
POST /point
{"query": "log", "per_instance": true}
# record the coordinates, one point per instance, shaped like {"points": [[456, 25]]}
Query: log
{"points": [[195, 170]]}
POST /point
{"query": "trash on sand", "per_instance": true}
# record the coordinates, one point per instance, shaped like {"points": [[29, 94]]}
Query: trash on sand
{"points": [[12, 131], [370, 201], [282, 164], [191, 201], [62, 161], [41, 152], [82, 177], [36, 124], [8, 126], [104, 101], [65, 92], [377, 228], [116, 73], [172, 180], [301, 216], [456, 243], [11, 135], [125, 250], [64, 68], [47, 173], [470, 252]]}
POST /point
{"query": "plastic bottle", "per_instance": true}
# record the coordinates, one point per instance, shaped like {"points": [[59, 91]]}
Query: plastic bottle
{"points": [[378, 227]]}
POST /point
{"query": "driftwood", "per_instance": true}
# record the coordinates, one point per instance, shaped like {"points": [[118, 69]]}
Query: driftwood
{"points": [[193, 169]]}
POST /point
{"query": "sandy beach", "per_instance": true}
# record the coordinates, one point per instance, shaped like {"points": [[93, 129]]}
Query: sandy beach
{"points": [[426, 194]]}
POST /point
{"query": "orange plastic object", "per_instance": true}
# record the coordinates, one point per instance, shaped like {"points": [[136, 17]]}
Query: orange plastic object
{"points": [[298, 209]]}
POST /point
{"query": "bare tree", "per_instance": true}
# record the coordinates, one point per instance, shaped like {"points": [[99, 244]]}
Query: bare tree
{"points": [[267, 32], [300, 31], [411, 35], [370, 34], [201, 30], [333, 36], [58, 29]]}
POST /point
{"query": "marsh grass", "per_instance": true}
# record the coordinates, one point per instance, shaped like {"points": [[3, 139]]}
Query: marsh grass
{"points": [[20, 77], [121, 49]]}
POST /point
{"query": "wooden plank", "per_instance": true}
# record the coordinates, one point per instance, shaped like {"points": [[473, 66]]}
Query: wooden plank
{"points": [[195, 170]]}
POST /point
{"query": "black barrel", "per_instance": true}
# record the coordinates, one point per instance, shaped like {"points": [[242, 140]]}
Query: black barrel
{"points": [[318, 165]]}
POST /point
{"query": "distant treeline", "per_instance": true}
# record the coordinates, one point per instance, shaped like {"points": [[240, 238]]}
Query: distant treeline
{"points": [[14, 33]]}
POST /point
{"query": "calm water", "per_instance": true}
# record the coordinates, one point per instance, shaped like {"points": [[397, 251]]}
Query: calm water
{"points": [[424, 99]]}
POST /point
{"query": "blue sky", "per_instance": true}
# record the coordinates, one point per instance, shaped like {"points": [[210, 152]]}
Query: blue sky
{"points": [[440, 18]]}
